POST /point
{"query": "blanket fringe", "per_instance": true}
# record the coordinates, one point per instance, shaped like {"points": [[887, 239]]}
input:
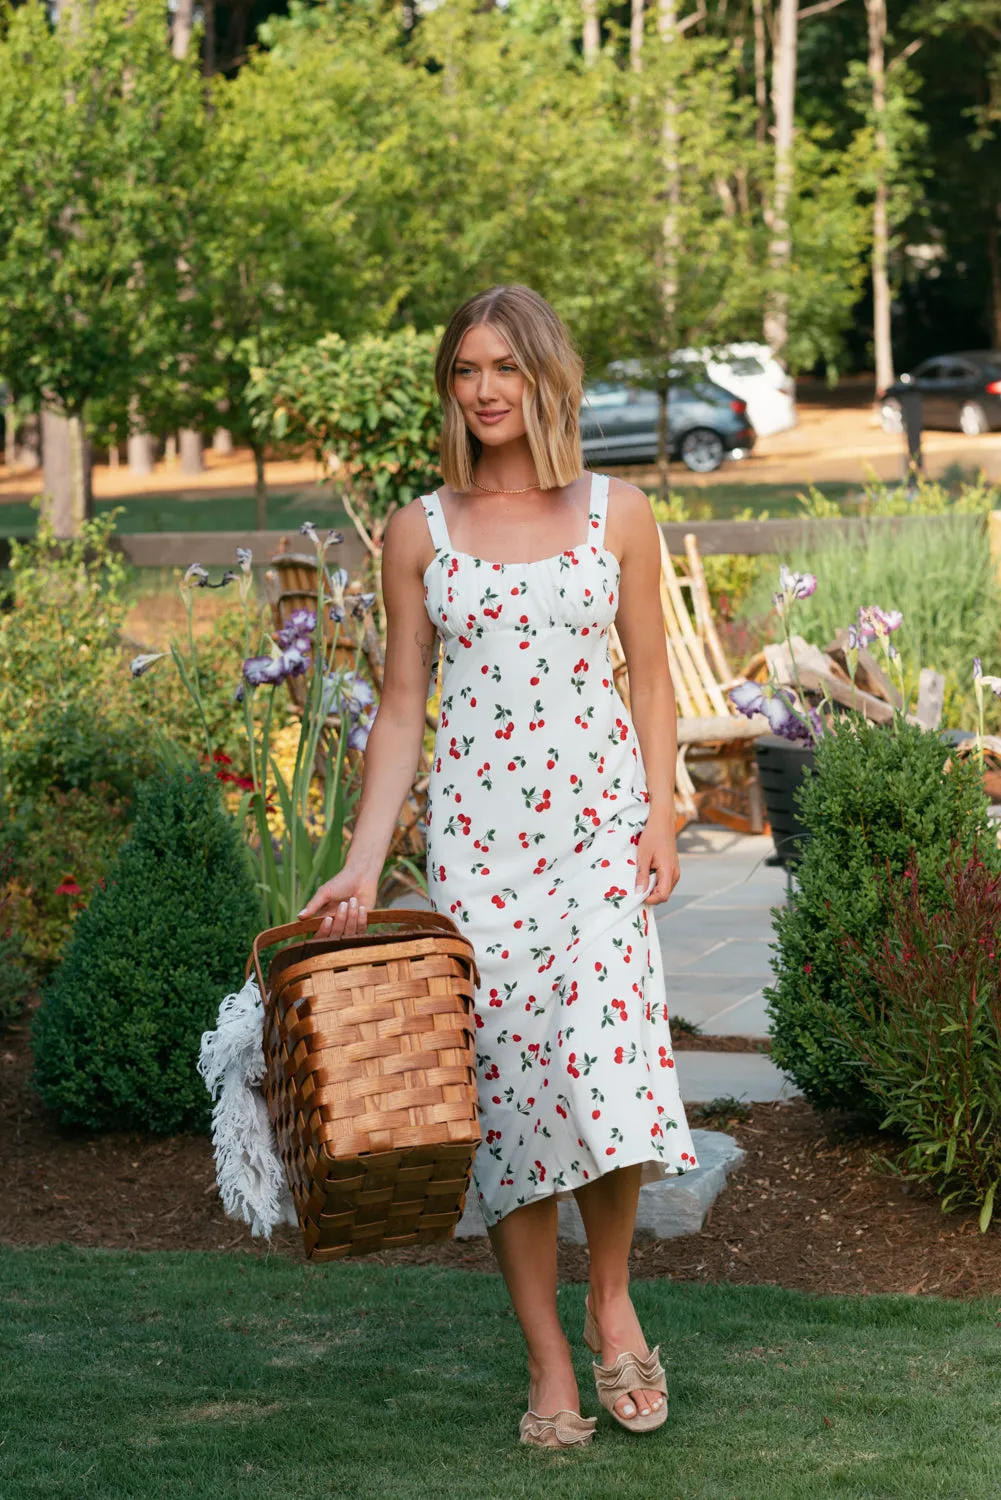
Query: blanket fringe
{"points": [[249, 1171]]}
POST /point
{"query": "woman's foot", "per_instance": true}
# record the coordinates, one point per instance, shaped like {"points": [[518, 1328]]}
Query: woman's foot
{"points": [[553, 1385], [620, 1333]]}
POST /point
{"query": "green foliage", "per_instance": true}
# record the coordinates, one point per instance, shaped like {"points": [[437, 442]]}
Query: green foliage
{"points": [[116, 1038], [928, 1033], [63, 844], [15, 981], [938, 572], [880, 801], [370, 405], [66, 719], [102, 140]]}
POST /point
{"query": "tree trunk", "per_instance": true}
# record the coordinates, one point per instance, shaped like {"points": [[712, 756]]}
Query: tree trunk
{"points": [[141, 454], [784, 110], [9, 434], [222, 440], [663, 442], [592, 30], [208, 46], [760, 71], [68, 501], [260, 489], [27, 440], [993, 223], [637, 20], [882, 340], [190, 444], [180, 31], [667, 24]]}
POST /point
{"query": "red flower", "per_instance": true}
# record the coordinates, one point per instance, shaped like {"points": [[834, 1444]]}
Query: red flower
{"points": [[68, 887]]}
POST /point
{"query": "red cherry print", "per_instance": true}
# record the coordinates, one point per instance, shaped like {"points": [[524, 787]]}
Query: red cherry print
{"points": [[609, 1150], [524, 645], [596, 1114], [533, 682]]}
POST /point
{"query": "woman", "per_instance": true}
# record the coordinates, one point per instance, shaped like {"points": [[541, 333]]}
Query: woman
{"points": [[549, 838]]}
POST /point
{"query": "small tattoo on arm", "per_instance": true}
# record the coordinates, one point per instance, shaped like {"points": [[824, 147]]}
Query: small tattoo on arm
{"points": [[425, 649]]}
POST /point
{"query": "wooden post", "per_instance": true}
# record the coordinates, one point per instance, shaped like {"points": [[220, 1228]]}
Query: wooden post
{"points": [[994, 540]]}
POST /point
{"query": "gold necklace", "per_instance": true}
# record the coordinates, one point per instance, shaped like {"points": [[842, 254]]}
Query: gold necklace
{"points": [[486, 488]]}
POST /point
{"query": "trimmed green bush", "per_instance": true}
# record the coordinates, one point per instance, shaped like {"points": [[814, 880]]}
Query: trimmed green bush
{"points": [[880, 801], [116, 1038]]}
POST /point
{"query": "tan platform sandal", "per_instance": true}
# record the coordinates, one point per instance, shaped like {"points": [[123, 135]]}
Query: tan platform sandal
{"points": [[630, 1372], [564, 1429]]}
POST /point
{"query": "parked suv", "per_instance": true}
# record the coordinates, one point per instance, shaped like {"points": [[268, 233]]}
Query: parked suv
{"points": [[957, 391], [619, 425]]}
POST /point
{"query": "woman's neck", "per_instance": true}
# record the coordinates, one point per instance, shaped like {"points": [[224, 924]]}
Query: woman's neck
{"points": [[509, 466]]}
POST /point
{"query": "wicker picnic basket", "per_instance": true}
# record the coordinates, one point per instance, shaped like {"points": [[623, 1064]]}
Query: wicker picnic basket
{"points": [[370, 1079]]}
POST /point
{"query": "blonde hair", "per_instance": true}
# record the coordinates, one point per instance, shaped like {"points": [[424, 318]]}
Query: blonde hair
{"points": [[553, 372]]}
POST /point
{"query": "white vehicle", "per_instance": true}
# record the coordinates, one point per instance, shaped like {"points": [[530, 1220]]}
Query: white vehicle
{"points": [[751, 372]]}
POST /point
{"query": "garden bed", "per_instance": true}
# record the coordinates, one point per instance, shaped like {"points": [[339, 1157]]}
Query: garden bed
{"points": [[806, 1210]]}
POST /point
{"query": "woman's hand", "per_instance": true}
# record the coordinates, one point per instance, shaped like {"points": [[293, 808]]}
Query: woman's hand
{"points": [[344, 904], [657, 854]]}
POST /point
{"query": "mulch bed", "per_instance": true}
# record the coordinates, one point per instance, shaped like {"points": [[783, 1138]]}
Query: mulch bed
{"points": [[684, 1041], [806, 1210]]}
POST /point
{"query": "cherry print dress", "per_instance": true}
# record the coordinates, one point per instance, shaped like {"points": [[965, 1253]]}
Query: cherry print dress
{"points": [[536, 804]]}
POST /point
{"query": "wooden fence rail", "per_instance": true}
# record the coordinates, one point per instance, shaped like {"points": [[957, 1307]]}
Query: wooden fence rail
{"points": [[784, 537]]}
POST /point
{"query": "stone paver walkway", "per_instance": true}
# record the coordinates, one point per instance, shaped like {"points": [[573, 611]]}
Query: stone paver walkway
{"points": [[715, 934]]}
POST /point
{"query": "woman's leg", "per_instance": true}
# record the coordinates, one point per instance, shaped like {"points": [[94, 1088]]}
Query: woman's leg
{"points": [[608, 1209], [525, 1245]]}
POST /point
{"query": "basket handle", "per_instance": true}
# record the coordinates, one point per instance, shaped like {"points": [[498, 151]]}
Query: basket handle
{"points": [[379, 916]]}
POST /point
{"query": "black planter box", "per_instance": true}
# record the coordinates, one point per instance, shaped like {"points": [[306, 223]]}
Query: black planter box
{"points": [[781, 767]]}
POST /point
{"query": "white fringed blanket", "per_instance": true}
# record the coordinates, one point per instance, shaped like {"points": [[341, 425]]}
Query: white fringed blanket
{"points": [[248, 1169]]}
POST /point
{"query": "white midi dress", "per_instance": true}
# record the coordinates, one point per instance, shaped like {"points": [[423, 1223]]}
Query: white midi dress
{"points": [[536, 804]]}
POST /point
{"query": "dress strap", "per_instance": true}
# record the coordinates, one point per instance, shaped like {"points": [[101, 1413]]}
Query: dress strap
{"points": [[598, 512], [435, 518]]}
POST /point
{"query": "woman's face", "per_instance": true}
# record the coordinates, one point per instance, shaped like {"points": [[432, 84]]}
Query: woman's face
{"points": [[488, 386]]}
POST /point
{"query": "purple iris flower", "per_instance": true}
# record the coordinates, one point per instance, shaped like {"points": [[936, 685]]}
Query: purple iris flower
{"points": [[260, 671]]}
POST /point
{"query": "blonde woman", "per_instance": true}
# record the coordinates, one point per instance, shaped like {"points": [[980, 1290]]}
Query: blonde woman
{"points": [[550, 827]]}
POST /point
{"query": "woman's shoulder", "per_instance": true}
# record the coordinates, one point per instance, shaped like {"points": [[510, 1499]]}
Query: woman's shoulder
{"points": [[630, 516], [407, 530]]}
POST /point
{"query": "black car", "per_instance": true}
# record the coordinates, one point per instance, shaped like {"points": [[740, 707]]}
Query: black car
{"points": [[706, 424], [958, 391]]}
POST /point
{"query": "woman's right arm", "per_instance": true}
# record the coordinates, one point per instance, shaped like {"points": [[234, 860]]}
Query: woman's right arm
{"points": [[394, 743]]}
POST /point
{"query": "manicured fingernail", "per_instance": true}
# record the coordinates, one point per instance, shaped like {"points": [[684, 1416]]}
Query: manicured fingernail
{"points": [[353, 901], [342, 908]]}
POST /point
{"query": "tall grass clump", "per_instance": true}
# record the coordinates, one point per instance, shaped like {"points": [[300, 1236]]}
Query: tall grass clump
{"points": [[938, 573]]}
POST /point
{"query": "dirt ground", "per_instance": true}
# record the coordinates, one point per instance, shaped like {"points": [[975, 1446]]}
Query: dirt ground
{"points": [[806, 1210], [837, 439]]}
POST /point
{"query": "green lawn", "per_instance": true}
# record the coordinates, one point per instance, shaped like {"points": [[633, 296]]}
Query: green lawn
{"points": [[723, 501], [211, 513], [289, 508], [135, 1377]]}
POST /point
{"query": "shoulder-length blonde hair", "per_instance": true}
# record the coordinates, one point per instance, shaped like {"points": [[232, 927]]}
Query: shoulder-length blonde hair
{"points": [[553, 372]]}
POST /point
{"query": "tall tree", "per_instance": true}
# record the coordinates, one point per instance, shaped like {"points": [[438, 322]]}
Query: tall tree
{"points": [[102, 135]]}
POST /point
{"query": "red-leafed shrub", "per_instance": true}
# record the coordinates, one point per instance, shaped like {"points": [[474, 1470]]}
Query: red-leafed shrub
{"points": [[930, 1048]]}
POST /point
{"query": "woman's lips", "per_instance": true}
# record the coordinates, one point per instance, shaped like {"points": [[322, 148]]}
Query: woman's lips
{"points": [[491, 416]]}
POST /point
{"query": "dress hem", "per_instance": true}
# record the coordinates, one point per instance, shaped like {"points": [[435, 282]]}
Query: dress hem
{"points": [[654, 1170]]}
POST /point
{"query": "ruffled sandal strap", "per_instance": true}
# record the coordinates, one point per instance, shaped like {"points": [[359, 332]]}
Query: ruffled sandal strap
{"points": [[630, 1372], [564, 1429]]}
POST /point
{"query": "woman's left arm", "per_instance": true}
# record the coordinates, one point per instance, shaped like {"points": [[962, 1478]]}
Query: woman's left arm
{"points": [[632, 535]]}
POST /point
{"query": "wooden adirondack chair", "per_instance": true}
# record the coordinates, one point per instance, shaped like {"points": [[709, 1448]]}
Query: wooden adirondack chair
{"points": [[708, 727]]}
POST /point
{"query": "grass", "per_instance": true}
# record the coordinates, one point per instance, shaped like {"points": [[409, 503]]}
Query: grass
{"points": [[142, 1377], [206, 513], [288, 507], [722, 501]]}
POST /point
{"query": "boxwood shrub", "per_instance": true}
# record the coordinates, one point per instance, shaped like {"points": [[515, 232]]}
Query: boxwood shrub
{"points": [[116, 1036], [881, 800]]}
